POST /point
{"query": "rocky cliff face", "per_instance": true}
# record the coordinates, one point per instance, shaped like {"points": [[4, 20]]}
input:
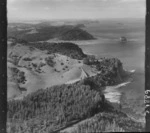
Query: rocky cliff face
{"points": [[121, 74], [111, 71]]}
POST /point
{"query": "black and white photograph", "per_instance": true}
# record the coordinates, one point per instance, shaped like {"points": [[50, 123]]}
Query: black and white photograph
{"points": [[75, 66]]}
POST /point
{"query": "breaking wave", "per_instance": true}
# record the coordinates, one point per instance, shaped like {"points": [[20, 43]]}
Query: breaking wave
{"points": [[112, 94]]}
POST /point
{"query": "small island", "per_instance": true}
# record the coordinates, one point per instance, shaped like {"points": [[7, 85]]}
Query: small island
{"points": [[123, 39]]}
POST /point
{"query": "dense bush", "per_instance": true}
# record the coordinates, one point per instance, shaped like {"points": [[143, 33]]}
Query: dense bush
{"points": [[68, 49], [109, 64], [27, 59], [86, 61], [110, 73], [109, 122], [18, 75], [75, 34], [49, 61], [60, 104]]}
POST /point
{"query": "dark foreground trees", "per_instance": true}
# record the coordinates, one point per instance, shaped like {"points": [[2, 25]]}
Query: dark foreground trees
{"points": [[56, 107], [109, 122], [59, 105]]}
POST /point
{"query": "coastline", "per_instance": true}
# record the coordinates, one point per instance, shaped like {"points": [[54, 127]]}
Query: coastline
{"points": [[112, 94], [119, 94], [132, 59]]}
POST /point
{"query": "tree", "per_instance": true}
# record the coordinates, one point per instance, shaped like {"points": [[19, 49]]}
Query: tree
{"points": [[86, 61]]}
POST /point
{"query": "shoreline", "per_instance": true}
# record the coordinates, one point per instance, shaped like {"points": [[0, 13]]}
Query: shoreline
{"points": [[112, 94], [122, 93]]}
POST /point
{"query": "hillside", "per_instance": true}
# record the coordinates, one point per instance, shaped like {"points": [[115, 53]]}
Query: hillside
{"points": [[40, 65], [69, 49], [35, 33], [32, 66], [55, 108], [108, 121], [52, 86]]}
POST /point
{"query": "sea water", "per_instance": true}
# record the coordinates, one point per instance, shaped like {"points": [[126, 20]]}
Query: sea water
{"points": [[131, 54]]}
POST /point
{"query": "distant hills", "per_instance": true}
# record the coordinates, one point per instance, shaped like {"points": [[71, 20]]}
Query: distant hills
{"points": [[42, 32]]}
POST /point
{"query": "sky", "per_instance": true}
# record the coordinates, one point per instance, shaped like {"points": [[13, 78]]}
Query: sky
{"points": [[75, 9]]}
